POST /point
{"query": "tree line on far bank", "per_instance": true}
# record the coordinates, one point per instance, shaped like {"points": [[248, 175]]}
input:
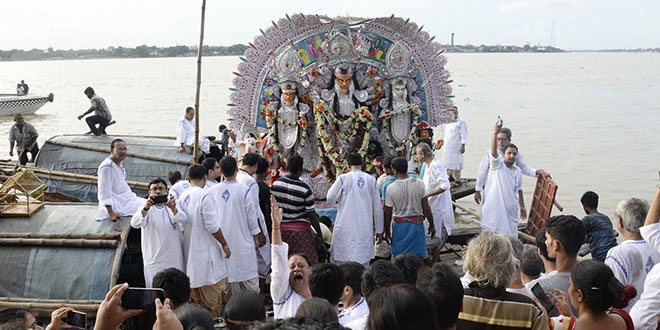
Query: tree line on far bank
{"points": [[119, 52]]}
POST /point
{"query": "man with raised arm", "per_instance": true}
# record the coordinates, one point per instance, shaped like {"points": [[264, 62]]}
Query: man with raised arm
{"points": [[204, 257], [646, 311], [503, 139], [359, 213], [504, 189], [116, 199]]}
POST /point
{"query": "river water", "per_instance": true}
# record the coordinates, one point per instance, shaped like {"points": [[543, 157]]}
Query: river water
{"points": [[590, 119]]}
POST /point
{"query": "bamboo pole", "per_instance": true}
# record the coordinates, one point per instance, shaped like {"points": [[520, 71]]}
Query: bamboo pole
{"points": [[131, 135], [89, 236], [50, 306], [67, 176], [199, 84], [131, 154], [51, 301], [60, 242]]}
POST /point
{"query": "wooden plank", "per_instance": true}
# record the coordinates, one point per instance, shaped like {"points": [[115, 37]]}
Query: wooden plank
{"points": [[542, 202]]}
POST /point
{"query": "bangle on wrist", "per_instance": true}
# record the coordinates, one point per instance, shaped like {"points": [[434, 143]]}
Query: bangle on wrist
{"points": [[224, 244]]}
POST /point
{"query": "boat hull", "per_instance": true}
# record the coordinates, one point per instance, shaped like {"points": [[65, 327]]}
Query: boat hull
{"points": [[26, 104]]}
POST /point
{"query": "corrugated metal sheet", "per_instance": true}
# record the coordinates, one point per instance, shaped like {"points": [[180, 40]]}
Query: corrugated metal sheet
{"points": [[77, 160], [71, 273]]}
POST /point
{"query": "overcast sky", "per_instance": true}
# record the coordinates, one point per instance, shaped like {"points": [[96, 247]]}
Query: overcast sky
{"points": [[578, 24]]}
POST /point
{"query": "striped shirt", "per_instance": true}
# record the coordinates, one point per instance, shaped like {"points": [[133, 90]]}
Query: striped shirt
{"points": [[294, 197], [491, 308]]}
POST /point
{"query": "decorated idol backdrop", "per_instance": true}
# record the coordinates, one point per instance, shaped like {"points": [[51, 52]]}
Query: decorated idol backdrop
{"points": [[323, 88]]}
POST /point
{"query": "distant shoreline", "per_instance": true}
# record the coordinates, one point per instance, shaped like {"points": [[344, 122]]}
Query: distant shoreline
{"points": [[144, 51]]}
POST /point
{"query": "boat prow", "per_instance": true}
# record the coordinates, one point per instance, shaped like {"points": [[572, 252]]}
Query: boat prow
{"points": [[25, 104]]}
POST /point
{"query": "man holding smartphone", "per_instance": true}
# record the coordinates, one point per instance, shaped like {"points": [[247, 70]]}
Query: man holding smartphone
{"points": [[162, 243]]}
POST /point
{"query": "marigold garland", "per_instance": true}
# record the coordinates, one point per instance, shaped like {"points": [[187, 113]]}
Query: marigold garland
{"points": [[357, 118]]}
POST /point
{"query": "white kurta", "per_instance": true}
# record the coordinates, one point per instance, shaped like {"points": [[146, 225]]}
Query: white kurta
{"points": [[185, 131], [178, 188], [247, 180], [114, 191], [205, 261], [285, 300], [630, 262], [239, 224], [359, 310], [435, 176], [162, 244], [484, 165], [500, 210], [359, 212], [456, 135], [644, 313], [209, 183]]}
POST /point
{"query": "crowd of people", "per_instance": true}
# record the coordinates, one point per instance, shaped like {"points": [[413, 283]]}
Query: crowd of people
{"points": [[213, 239]]}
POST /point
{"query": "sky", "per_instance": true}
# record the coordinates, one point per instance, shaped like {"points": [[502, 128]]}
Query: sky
{"points": [[78, 24]]}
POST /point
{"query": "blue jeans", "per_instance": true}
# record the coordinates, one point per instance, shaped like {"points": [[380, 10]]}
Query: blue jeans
{"points": [[97, 119]]}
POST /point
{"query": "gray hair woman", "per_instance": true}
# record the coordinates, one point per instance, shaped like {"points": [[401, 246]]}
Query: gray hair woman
{"points": [[491, 264]]}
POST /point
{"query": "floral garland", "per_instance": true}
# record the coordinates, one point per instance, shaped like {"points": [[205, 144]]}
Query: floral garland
{"points": [[413, 127], [271, 119], [357, 118]]}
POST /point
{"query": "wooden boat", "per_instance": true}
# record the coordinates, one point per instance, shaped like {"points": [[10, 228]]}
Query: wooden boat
{"points": [[11, 104], [68, 163], [61, 256]]}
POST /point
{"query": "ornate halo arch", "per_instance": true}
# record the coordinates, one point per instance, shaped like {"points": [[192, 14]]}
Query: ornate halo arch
{"points": [[371, 42]]}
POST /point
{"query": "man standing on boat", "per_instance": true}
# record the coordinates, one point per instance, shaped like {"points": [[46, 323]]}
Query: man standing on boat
{"points": [[455, 139], [503, 139], [503, 189], [116, 199], [25, 137], [101, 116]]}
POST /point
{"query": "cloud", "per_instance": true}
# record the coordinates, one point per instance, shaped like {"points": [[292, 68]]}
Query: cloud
{"points": [[519, 7]]}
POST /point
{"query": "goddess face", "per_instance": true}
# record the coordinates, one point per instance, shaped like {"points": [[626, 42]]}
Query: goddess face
{"points": [[289, 96], [344, 81], [424, 134], [398, 91]]}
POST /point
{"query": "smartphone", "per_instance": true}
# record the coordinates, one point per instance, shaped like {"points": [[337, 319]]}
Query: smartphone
{"points": [[142, 298], [159, 199], [499, 118], [539, 293], [76, 319]]}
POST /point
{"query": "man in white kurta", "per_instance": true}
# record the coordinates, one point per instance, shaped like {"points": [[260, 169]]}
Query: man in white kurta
{"points": [[455, 139], [438, 191], [212, 172], [185, 134], [204, 257], [115, 196], [503, 190], [245, 177], [632, 259], [503, 139], [162, 244], [647, 309], [359, 214], [239, 222]]}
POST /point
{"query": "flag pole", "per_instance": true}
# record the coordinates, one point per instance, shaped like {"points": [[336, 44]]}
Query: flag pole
{"points": [[199, 84]]}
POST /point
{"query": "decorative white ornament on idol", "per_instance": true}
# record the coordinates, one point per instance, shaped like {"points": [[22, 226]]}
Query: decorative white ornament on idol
{"points": [[340, 49], [287, 66], [397, 61]]}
